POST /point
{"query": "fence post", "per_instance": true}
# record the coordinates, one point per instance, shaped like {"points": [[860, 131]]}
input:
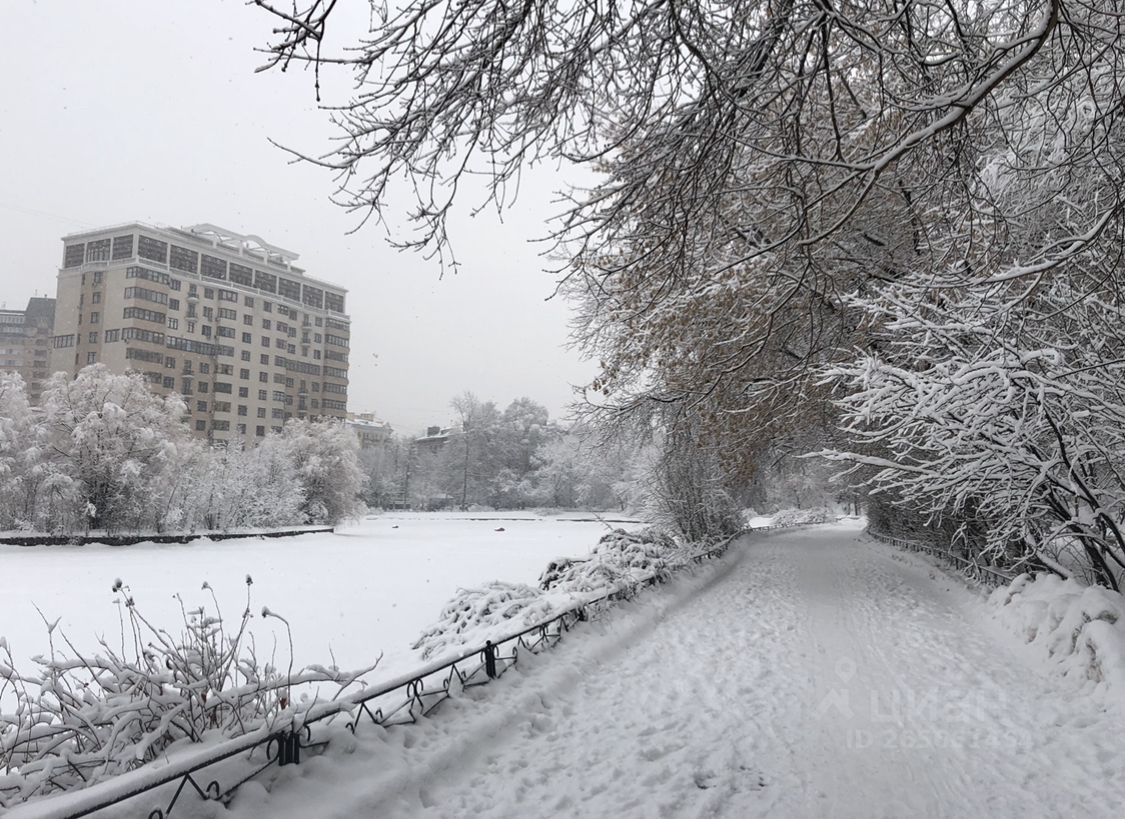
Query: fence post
{"points": [[289, 748], [490, 659]]}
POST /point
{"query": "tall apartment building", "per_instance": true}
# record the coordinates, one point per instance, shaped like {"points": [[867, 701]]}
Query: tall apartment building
{"points": [[25, 339], [224, 319]]}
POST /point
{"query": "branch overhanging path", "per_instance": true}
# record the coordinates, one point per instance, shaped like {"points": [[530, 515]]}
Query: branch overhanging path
{"points": [[814, 673]]}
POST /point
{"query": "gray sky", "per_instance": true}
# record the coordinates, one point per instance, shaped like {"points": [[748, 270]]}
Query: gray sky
{"points": [[150, 109]]}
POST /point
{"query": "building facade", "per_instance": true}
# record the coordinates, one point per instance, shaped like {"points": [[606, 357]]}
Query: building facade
{"points": [[224, 319], [25, 343], [371, 432]]}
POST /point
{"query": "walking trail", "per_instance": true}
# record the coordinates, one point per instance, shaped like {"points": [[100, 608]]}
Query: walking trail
{"points": [[815, 673]]}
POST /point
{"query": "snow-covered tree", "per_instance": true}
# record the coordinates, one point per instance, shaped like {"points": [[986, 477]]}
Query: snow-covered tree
{"points": [[325, 458], [115, 440]]}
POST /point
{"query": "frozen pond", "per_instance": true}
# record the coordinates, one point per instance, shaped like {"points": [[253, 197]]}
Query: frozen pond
{"points": [[368, 588]]}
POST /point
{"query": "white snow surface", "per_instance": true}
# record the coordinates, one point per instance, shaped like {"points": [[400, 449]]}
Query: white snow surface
{"points": [[371, 587], [1076, 631], [811, 673]]}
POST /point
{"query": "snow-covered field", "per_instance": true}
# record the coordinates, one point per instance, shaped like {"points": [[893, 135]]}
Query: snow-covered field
{"points": [[368, 588]]}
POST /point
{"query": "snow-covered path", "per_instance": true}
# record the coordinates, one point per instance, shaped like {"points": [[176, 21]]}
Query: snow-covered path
{"points": [[816, 674]]}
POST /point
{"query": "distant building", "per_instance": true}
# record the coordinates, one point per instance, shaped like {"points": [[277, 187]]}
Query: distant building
{"points": [[25, 343], [371, 432], [435, 438], [224, 319]]}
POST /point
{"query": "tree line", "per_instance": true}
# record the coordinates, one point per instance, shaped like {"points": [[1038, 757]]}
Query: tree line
{"points": [[511, 458], [885, 233], [104, 453]]}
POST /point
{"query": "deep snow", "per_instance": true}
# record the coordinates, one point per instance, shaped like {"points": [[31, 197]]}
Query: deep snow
{"points": [[370, 587], [814, 673]]}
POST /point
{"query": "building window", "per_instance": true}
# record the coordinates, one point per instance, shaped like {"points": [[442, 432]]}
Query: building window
{"points": [[208, 292], [169, 362], [243, 392], [241, 274], [267, 306], [201, 425], [173, 324], [137, 313], [264, 377], [169, 382], [123, 247], [248, 301], [242, 409], [96, 298], [152, 249], [245, 355], [266, 282], [112, 335], [213, 267], [265, 339], [92, 338], [95, 317], [266, 324], [247, 338], [201, 406], [220, 426], [244, 374], [98, 250], [173, 304], [262, 394], [73, 255], [227, 313], [260, 431]]}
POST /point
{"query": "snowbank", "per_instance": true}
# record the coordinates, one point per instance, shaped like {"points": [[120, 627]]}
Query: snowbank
{"points": [[1079, 630], [498, 608]]}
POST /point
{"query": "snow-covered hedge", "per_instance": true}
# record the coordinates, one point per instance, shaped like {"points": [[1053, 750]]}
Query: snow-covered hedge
{"points": [[1079, 630], [478, 614]]}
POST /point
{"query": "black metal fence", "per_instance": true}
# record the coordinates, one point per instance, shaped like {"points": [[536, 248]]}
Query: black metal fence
{"points": [[988, 575], [398, 701]]}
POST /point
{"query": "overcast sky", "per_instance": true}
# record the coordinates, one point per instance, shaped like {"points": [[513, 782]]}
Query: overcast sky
{"points": [[150, 110]]}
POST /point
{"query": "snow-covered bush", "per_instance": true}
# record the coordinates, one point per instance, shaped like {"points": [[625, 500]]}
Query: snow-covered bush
{"points": [[83, 718], [1079, 630], [791, 517], [474, 614], [618, 557]]}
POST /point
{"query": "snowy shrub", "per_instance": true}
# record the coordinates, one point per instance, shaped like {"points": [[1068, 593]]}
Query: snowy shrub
{"points": [[82, 718], [473, 615], [793, 517], [498, 608], [325, 456], [619, 557], [1080, 630]]}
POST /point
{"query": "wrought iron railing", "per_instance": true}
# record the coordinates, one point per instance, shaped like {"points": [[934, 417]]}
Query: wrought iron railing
{"points": [[397, 701], [988, 575]]}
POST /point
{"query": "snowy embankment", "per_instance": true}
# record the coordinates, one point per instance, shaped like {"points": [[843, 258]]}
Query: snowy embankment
{"points": [[1077, 632]]}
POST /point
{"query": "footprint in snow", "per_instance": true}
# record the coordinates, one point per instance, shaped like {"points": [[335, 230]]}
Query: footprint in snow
{"points": [[705, 779]]}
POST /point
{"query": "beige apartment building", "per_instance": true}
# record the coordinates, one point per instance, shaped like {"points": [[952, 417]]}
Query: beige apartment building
{"points": [[25, 343], [224, 319]]}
